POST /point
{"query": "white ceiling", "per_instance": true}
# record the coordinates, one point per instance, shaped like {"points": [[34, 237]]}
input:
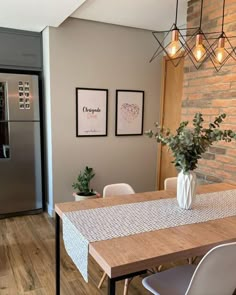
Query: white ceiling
{"points": [[144, 14], [35, 15]]}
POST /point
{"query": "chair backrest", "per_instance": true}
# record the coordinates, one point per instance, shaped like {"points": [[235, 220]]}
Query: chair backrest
{"points": [[216, 273], [170, 184], [117, 189]]}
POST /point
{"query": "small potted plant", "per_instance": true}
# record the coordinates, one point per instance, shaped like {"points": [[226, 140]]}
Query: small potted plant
{"points": [[83, 185], [187, 146]]}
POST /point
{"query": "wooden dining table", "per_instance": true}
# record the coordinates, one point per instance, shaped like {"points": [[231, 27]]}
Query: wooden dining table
{"points": [[129, 256]]}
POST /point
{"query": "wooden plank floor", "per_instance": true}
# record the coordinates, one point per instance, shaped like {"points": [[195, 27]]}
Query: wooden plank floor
{"points": [[27, 262]]}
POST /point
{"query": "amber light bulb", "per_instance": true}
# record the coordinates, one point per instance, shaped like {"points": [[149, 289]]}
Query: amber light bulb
{"points": [[220, 53], [173, 48], [199, 50]]}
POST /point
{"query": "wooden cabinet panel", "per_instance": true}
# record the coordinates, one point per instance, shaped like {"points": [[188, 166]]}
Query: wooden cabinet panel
{"points": [[171, 100]]}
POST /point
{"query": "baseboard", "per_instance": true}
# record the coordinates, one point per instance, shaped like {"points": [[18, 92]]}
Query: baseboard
{"points": [[21, 213]]}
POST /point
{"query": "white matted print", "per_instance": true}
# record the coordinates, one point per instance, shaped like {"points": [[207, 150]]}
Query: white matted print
{"points": [[91, 112], [129, 112]]}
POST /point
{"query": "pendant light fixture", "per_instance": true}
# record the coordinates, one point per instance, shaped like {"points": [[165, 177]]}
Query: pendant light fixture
{"points": [[224, 49], [199, 51], [196, 44], [174, 49], [220, 52]]}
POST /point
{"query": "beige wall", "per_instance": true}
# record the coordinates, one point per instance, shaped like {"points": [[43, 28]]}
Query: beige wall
{"points": [[96, 55]]}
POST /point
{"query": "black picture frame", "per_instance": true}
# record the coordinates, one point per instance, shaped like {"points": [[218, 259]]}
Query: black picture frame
{"points": [[91, 112], [129, 112]]}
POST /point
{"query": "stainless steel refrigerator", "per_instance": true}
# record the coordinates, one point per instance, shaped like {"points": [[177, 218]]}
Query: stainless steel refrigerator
{"points": [[20, 145]]}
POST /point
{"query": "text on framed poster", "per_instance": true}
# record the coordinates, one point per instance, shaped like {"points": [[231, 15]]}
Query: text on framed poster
{"points": [[91, 111]]}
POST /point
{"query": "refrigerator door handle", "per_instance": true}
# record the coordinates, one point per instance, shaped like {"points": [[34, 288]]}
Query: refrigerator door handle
{"points": [[6, 150], [4, 140]]}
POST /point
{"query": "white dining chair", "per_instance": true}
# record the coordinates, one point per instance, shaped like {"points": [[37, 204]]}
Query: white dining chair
{"points": [[110, 190], [170, 183], [117, 189], [214, 275]]}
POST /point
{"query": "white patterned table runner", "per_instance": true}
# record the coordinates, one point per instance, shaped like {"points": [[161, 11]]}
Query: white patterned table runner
{"points": [[85, 226]]}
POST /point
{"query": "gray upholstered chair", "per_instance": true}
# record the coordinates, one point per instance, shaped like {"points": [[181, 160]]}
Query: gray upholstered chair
{"points": [[214, 275]]}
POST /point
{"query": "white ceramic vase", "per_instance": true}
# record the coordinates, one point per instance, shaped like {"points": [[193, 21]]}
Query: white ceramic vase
{"points": [[186, 189]]}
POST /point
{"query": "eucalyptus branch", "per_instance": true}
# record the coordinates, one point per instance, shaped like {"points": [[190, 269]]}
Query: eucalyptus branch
{"points": [[187, 145]]}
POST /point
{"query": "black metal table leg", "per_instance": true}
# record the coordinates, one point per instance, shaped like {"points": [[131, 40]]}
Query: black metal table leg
{"points": [[112, 282], [111, 286], [57, 248]]}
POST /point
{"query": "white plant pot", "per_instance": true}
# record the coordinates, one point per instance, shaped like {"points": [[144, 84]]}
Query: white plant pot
{"points": [[186, 189], [82, 198]]}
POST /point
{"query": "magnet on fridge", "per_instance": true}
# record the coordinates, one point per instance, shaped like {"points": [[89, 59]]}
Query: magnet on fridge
{"points": [[21, 106]]}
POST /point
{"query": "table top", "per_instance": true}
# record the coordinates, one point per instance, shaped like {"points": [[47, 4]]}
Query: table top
{"points": [[134, 253]]}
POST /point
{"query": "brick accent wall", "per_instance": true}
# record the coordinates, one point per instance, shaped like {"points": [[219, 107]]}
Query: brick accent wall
{"points": [[212, 93]]}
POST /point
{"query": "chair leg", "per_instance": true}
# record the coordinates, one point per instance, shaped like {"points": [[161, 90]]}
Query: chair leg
{"points": [[194, 259], [153, 270], [191, 260], [102, 280], [126, 287], [156, 269]]}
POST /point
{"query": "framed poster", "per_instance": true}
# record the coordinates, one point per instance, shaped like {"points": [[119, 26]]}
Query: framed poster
{"points": [[91, 112], [129, 112]]}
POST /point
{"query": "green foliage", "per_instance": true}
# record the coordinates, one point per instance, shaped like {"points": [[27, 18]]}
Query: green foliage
{"points": [[187, 145], [83, 182]]}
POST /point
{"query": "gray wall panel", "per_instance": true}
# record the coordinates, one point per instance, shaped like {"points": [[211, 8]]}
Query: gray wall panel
{"points": [[20, 49]]}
